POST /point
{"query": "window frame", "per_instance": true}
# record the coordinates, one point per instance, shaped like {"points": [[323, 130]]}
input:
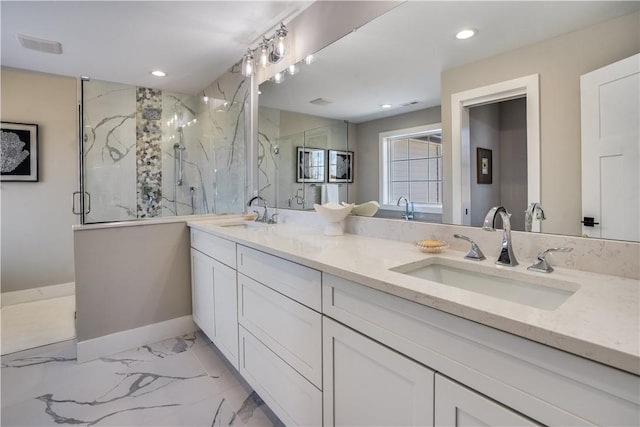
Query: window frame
{"points": [[383, 171]]}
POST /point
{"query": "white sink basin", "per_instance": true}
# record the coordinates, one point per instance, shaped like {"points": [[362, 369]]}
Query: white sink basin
{"points": [[540, 292]]}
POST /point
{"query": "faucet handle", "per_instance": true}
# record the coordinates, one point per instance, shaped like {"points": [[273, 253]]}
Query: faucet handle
{"points": [[274, 218], [542, 265], [474, 253]]}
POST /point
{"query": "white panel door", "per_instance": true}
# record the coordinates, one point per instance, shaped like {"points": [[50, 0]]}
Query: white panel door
{"points": [[458, 406], [610, 98], [202, 292], [368, 384]]}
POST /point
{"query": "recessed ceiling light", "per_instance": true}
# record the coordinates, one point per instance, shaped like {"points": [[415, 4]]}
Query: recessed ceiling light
{"points": [[158, 73], [466, 34], [385, 106]]}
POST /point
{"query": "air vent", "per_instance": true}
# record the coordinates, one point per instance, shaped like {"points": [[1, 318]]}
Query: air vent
{"points": [[41, 45], [410, 103], [320, 101]]}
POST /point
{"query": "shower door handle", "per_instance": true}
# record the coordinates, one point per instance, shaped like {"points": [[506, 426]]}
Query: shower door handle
{"points": [[73, 203]]}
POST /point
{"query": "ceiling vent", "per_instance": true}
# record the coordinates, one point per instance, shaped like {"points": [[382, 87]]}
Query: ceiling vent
{"points": [[410, 103], [320, 101], [40, 45]]}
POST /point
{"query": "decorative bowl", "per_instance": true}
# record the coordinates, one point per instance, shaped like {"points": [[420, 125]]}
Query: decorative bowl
{"points": [[332, 214], [365, 209], [432, 246]]}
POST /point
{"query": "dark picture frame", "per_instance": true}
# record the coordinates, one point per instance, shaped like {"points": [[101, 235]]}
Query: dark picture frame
{"points": [[19, 157], [340, 166], [484, 166], [310, 165]]}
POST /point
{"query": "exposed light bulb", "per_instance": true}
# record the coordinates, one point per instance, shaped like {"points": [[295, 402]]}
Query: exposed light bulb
{"points": [[278, 78], [264, 53], [309, 59], [293, 69], [205, 99], [247, 64], [281, 34]]}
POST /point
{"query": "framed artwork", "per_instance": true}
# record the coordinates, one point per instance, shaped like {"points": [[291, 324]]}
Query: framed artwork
{"points": [[19, 152], [484, 166], [340, 166], [310, 165]]}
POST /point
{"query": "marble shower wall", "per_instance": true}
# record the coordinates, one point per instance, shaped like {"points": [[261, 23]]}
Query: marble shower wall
{"points": [[223, 132], [277, 152], [133, 138]]}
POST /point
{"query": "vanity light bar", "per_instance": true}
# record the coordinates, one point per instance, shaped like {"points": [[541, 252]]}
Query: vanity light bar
{"points": [[270, 50]]}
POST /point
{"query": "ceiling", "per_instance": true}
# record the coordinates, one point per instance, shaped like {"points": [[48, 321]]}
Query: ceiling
{"points": [[398, 58], [123, 41]]}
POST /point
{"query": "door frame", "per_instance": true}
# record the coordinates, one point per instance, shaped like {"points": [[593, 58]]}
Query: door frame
{"points": [[528, 87]]}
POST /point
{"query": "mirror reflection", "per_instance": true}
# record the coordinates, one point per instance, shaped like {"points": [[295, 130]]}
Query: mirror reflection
{"points": [[396, 76]]}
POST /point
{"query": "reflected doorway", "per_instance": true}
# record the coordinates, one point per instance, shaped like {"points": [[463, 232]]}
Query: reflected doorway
{"points": [[526, 88]]}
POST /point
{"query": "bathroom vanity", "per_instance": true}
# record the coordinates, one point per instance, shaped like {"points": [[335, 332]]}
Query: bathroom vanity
{"points": [[332, 331]]}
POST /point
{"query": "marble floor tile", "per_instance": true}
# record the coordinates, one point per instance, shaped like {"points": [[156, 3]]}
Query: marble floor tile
{"points": [[37, 323], [177, 382]]}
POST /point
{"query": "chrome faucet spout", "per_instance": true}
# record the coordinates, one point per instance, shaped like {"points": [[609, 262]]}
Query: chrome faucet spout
{"points": [[506, 255], [265, 214], [408, 214]]}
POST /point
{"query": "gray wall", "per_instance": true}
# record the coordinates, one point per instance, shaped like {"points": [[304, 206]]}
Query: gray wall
{"points": [[129, 277], [37, 245], [367, 143], [560, 62], [513, 155], [484, 132]]}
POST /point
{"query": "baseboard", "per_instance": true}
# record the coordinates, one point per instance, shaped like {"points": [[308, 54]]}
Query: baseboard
{"points": [[37, 294], [133, 338]]}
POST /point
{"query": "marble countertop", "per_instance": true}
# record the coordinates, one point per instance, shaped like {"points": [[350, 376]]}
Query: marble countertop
{"points": [[600, 321]]}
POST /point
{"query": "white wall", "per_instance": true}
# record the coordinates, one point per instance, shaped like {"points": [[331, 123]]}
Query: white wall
{"points": [[36, 218]]}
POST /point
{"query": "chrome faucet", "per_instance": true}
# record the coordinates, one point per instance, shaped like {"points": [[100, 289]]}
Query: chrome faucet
{"points": [[265, 214], [506, 255], [534, 211], [408, 214]]}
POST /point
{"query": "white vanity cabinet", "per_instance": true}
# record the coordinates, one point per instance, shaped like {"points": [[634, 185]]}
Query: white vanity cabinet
{"points": [[459, 406], [281, 334], [545, 385], [368, 384], [214, 291]]}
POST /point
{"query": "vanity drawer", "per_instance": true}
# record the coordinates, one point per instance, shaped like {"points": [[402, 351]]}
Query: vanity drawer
{"points": [[546, 384], [289, 329], [296, 281], [287, 393], [216, 247]]}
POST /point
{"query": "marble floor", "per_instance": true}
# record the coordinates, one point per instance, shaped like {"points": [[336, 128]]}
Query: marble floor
{"points": [[33, 324], [178, 382]]}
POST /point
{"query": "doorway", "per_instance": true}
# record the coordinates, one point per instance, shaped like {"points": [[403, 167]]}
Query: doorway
{"points": [[526, 88]]}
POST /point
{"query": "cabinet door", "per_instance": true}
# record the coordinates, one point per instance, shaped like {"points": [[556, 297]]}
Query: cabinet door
{"points": [[459, 406], [225, 311], [202, 292], [367, 384]]}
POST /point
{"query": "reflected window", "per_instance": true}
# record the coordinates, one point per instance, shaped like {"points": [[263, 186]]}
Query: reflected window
{"points": [[411, 166]]}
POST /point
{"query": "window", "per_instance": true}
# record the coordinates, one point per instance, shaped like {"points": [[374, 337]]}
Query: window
{"points": [[411, 166]]}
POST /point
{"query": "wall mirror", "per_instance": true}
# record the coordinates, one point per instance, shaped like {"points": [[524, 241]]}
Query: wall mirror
{"points": [[399, 72]]}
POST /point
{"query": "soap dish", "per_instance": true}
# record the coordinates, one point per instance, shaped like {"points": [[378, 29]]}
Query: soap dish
{"points": [[432, 246]]}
